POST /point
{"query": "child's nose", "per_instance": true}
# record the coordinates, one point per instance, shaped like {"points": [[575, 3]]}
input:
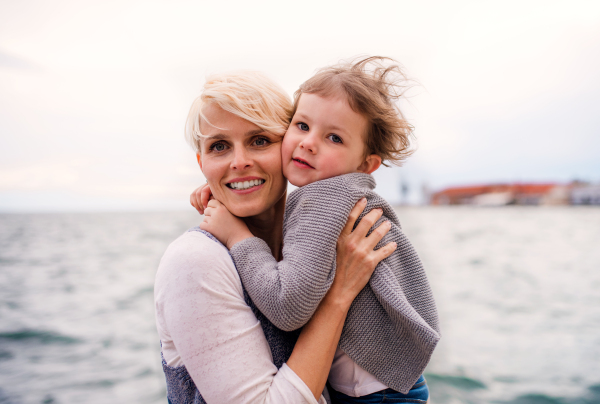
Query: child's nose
{"points": [[309, 144]]}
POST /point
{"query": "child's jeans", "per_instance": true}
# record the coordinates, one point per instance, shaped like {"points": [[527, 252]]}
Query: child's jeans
{"points": [[418, 394]]}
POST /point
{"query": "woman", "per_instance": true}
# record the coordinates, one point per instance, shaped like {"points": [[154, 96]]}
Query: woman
{"points": [[216, 346]]}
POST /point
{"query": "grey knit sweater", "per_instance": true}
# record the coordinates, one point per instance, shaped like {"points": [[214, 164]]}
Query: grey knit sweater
{"points": [[392, 326]]}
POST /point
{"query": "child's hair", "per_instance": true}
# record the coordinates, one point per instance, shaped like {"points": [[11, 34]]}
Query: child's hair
{"points": [[247, 94], [372, 86]]}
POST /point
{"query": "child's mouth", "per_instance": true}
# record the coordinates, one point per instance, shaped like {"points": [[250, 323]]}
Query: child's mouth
{"points": [[301, 163]]}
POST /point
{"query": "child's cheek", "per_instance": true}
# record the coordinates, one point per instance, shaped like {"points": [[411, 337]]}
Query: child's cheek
{"points": [[334, 164], [287, 149]]}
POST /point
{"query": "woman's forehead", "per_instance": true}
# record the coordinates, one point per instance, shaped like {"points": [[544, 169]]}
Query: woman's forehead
{"points": [[214, 120]]}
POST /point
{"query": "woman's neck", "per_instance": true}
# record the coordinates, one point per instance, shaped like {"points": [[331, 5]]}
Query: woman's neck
{"points": [[268, 226]]}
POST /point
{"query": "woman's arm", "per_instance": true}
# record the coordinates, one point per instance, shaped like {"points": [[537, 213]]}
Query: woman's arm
{"points": [[201, 310]]}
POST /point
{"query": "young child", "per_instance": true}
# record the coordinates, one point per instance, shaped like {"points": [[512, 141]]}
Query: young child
{"points": [[345, 125]]}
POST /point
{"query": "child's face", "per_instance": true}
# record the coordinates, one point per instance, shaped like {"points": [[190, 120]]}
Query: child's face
{"points": [[326, 138]]}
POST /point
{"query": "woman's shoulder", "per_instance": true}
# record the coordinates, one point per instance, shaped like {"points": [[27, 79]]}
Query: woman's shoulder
{"points": [[194, 258], [194, 243]]}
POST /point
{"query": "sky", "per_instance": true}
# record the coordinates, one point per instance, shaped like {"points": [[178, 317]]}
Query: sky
{"points": [[94, 94]]}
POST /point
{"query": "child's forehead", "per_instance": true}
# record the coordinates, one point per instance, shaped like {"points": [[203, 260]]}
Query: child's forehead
{"points": [[337, 94], [339, 99]]}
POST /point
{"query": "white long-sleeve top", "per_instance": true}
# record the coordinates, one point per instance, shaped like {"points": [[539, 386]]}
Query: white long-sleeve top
{"points": [[347, 377], [204, 323]]}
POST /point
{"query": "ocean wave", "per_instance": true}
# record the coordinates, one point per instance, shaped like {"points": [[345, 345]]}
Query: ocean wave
{"points": [[43, 337], [591, 397], [460, 382]]}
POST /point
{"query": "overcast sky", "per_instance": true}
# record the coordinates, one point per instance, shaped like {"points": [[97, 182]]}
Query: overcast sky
{"points": [[94, 95]]}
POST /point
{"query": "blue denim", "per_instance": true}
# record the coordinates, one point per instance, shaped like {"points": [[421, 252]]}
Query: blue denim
{"points": [[419, 394]]}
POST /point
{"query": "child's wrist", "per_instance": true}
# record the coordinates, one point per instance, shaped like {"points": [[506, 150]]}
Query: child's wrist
{"points": [[238, 238]]}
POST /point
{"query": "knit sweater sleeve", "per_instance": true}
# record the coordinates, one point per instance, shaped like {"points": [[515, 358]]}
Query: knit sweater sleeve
{"points": [[288, 292]]}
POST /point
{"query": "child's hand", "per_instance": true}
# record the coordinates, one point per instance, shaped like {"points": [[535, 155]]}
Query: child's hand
{"points": [[218, 221], [200, 197]]}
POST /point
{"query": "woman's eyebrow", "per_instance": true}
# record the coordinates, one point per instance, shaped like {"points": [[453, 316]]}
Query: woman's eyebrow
{"points": [[255, 132], [217, 136], [220, 136]]}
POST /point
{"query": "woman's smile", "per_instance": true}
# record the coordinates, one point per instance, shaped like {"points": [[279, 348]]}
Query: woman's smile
{"points": [[245, 185]]}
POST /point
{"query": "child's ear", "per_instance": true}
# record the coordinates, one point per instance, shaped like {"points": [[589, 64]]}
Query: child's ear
{"points": [[371, 163]]}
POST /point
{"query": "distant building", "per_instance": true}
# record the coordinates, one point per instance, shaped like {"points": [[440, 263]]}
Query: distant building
{"points": [[504, 194], [585, 195]]}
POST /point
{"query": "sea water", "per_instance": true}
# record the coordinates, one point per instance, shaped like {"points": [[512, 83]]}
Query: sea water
{"points": [[517, 289]]}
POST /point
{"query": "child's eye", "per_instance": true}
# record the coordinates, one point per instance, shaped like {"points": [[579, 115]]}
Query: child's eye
{"points": [[303, 127], [217, 146], [261, 141], [335, 138]]}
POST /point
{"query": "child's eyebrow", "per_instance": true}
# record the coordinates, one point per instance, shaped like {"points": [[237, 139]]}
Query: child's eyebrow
{"points": [[337, 128], [300, 115]]}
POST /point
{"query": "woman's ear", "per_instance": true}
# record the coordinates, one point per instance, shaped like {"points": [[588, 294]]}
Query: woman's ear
{"points": [[199, 160], [371, 163]]}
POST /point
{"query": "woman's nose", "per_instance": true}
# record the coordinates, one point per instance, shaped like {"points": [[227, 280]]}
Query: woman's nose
{"points": [[241, 160]]}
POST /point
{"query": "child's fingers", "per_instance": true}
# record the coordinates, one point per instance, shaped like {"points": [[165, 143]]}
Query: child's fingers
{"points": [[195, 199], [353, 216], [213, 203], [205, 194], [194, 203]]}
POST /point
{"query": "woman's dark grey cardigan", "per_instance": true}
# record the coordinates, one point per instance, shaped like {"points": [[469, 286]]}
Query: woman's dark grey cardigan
{"points": [[392, 326]]}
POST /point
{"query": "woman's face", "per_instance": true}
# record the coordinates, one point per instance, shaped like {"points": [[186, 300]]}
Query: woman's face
{"points": [[241, 162]]}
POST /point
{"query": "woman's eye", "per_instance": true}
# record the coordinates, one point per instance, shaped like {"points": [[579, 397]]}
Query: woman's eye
{"points": [[218, 147], [335, 138], [261, 141], [303, 126]]}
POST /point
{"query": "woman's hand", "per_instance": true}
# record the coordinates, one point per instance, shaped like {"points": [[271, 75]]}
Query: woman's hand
{"points": [[356, 257], [200, 197], [218, 221], [356, 261]]}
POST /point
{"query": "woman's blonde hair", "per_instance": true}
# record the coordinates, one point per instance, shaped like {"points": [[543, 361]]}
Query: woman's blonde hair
{"points": [[372, 86], [250, 95]]}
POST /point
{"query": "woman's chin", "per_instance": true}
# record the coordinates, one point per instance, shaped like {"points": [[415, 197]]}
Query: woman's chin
{"points": [[246, 212], [248, 209]]}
